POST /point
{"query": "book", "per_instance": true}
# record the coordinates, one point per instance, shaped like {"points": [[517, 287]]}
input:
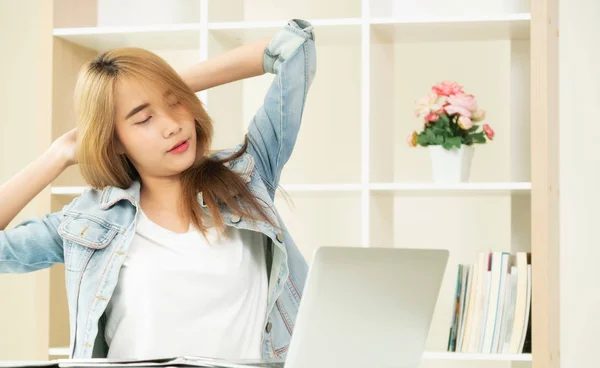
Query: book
{"points": [[467, 275], [492, 305]]}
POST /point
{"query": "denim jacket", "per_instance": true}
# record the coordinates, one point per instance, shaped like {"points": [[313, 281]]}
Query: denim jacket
{"points": [[92, 234]]}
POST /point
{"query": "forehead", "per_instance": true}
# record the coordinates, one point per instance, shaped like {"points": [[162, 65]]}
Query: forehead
{"points": [[130, 93]]}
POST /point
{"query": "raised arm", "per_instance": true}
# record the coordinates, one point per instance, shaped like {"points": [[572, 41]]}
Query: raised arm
{"points": [[291, 56], [242, 62], [272, 134], [17, 192], [34, 243]]}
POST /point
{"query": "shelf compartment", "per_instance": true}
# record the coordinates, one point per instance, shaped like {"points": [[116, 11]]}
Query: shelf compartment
{"points": [[331, 116], [103, 13], [269, 10], [308, 217], [167, 37], [436, 8], [401, 73], [465, 225], [453, 28], [469, 188], [327, 31]]}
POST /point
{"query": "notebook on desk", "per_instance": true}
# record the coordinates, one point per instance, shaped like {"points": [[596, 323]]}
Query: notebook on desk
{"points": [[162, 362], [362, 307]]}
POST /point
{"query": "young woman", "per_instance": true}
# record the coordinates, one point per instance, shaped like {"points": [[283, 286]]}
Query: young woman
{"points": [[175, 250]]}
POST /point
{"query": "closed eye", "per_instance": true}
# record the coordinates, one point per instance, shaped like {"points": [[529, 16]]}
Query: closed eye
{"points": [[144, 121]]}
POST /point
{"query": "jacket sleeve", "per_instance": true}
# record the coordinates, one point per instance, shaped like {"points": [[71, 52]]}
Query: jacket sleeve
{"points": [[32, 245], [272, 133]]}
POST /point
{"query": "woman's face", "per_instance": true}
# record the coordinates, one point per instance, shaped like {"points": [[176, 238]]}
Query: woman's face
{"points": [[156, 132]]}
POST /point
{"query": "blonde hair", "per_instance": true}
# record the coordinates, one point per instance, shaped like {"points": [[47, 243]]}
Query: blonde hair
{"points": [[100, 163]]}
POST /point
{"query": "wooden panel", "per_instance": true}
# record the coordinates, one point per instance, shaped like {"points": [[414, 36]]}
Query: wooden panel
{"points": [[25, 35], [75, 13], [545, 183], [67, 61]]}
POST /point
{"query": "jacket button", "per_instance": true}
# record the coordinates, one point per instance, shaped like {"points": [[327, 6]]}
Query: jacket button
{"points": [[235, 218], [280, 237], [268, 327]]}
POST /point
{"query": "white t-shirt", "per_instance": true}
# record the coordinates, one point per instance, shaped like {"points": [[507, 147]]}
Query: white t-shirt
{"points": [[177, 295]]}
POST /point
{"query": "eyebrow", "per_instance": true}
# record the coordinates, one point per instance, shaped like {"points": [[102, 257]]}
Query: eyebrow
{"points": [[136, 110]]}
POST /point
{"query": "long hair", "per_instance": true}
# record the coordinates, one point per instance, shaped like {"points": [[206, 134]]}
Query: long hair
{"points": [[100, 163]]}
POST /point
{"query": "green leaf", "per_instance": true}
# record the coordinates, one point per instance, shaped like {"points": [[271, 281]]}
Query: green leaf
{"points": [[473, 129], [443, 120], [430, 135], [478, 137], [454, 142], [422, 140]]}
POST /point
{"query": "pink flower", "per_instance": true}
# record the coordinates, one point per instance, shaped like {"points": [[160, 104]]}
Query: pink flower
{"points": [[431, 103], [478, 116], [447, 88], [461, 104], [431, 117], [465, 123], [489, 132], [412, 139]]}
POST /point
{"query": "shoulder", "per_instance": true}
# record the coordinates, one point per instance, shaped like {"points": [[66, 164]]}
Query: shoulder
{"points": [[243, 165], [246, 167], [104, 207]]}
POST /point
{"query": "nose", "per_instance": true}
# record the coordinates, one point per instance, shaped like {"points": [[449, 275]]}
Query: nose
{"points": [[171, 126]]}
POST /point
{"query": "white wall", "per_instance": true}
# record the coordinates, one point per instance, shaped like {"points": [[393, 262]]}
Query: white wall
{"points": [[579, 60]]}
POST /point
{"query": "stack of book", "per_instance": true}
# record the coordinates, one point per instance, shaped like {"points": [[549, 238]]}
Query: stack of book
{"points": [[492, 309]]}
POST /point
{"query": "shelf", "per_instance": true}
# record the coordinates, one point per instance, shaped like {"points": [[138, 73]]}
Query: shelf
{"points": [[428, 355], [292, 188], [58, 351], [304, 188], [269, 10], [464, 188], [67, 190], [455, 28], [469, 188], [154, 37], [327, 31], [330, 31]]}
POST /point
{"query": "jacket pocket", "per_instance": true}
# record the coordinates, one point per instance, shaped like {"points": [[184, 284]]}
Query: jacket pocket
{"points": [[82, 237]]}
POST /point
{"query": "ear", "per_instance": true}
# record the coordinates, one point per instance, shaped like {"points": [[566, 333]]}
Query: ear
{"points": [[119, 148]]}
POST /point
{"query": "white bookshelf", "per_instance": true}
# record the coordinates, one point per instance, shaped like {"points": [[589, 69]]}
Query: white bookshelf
{"points": [[352, 179]]}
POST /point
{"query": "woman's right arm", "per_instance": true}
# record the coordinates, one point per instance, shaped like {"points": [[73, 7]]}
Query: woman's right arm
{"points": [[291, 56], [34, 243]]}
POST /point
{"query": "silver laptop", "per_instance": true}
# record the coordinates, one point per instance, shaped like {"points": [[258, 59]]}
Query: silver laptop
{"points": [[366, 307]]}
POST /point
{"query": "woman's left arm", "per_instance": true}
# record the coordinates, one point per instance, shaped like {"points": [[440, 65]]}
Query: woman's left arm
{"points": [[242, 62]]}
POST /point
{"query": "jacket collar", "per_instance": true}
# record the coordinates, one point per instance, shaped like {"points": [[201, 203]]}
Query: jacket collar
{"points": [[243, 166]]}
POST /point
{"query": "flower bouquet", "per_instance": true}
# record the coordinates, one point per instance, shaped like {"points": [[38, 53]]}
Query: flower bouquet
{"points": [[451, 127]]}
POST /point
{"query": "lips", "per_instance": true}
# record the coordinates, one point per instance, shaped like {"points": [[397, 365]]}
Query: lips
{"points": [[178, 145]]}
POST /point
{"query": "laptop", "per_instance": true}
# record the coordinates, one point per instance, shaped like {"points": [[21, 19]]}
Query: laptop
{"points": [[367, 307], [362, 307]]}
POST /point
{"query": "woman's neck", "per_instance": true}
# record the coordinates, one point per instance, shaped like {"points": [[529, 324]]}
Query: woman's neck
{"points": [[163, 194]]}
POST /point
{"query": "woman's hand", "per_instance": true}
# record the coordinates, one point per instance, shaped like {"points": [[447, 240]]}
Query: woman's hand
{"points": [[66, 147], [19, 190]]}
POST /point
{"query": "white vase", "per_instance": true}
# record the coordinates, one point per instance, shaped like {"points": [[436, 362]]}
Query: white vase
{"points": [[451, 166]]}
